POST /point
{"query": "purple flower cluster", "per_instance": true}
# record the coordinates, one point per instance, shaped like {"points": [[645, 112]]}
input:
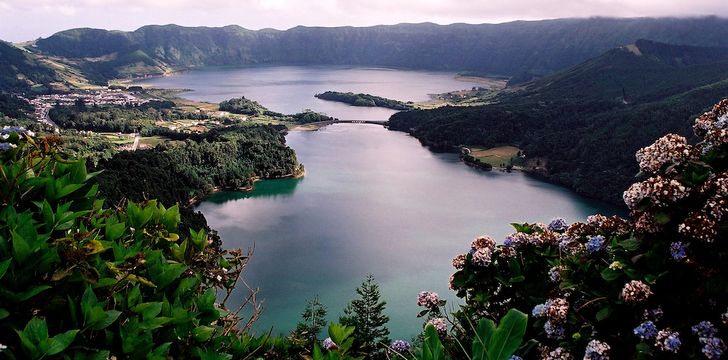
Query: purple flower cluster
{"points": [[646, 331], [400, 346], [329, 344], [558, 224], [668, 340], [704, 329], [595, 244], [713, 347], [678, 251], [554, 331], [428, 299], [597, 350], [439, 324]]}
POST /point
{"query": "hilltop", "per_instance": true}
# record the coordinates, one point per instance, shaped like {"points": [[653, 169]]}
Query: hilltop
{"points": [[586, 122], [522, 49]]}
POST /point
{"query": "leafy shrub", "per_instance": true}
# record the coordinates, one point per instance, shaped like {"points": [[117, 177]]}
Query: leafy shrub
{"points": [[81, 281], [651, 287]]}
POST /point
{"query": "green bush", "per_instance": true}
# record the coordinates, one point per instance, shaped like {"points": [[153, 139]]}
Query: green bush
{"points": [[82, 281]]}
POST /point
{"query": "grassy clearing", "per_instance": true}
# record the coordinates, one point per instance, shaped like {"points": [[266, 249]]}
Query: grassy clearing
{"points": [[118, 139], [497, 156], [152, 141]]}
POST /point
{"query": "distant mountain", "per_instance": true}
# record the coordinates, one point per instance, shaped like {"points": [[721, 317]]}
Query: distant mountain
{"points": [[586, 122], [20, 71], [523, 48]]}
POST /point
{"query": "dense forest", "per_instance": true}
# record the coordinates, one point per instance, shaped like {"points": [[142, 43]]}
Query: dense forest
{"points": [[362, 100], [124, 119], [242, 106], [505, 49], [587, 121], [228, 158]]}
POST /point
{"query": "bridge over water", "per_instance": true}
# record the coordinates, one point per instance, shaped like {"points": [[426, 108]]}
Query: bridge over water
{"points": [[378, 122]]}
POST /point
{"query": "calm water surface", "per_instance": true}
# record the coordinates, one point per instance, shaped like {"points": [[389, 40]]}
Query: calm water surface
{"points": [[372, 201], [291, 89]]}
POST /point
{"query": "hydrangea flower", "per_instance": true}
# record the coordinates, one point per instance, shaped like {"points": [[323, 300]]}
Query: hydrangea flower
{"points": [[595, 244], [558, 224], [668, 340], [558, 309], [541, 310], [636, 291], [7, 146], [329, 344], [439, 324], [678, 251], [713, 347], [482, 257], [483, 242], [428, 299], [597, 350], [669, 149], [400, 346], [19, 130], [558, 354], [459, 261], [555, 273], [646, 331], [515, 357], [553, 331], [704, 329]]}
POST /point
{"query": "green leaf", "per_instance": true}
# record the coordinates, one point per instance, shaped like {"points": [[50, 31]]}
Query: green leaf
{"points": [[603, 313], [508, 337], [203, 333], [4, 267], [21, 247], [609, 274], [60, 342], [485, 330], [432, 348], [148, 310]]}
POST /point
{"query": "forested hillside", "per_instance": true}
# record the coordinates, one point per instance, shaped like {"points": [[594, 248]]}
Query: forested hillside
{"points": [[587, 122], [520, 49], [20, 71]]}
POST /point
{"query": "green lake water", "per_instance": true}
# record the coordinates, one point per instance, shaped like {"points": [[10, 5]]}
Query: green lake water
{"points": [[372, 201]]}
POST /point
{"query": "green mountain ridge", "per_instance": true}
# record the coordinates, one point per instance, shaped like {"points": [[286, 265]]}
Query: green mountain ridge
{"points": [[513, 49], [587, 121], [20, 71]]}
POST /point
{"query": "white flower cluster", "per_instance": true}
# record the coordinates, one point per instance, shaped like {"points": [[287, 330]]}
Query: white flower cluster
{"points": [[670, 149], [597, 350], [659, 190], [636, 291], [713, 125]]}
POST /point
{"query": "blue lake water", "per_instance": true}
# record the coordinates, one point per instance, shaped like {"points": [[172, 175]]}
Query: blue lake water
{"points": [[372, 201]]}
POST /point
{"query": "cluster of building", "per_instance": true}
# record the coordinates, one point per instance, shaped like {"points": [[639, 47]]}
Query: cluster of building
{"points": [[44, 103]]}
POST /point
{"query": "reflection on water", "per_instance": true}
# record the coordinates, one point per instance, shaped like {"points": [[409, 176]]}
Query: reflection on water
{"points": [[279, 188]]}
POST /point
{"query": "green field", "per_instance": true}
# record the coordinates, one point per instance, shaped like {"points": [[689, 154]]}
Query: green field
{"points": [[497, 156]]}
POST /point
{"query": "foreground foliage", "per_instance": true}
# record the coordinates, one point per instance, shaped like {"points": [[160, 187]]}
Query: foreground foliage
{"points": [[652, 287], [82, 281]]}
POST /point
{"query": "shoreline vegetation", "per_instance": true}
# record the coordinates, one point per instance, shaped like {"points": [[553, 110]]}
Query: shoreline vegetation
{"points": [[364, 100]]}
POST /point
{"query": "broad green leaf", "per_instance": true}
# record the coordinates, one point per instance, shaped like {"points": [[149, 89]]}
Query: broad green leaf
{"points": [[508, 337], [60, 342]]}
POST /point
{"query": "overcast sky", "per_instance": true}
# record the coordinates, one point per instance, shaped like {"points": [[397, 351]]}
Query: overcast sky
{"points": [[22, 20]]}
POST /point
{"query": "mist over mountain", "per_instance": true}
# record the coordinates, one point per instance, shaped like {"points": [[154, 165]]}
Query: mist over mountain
{"points": [[523, 48]]}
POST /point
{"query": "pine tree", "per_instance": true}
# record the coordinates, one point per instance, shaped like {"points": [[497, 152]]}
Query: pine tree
{"points": [[313, 319], [366, 313]]}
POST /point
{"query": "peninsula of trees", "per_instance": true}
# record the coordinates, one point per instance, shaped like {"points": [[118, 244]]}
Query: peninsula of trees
{"points": [[363, 100]]}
